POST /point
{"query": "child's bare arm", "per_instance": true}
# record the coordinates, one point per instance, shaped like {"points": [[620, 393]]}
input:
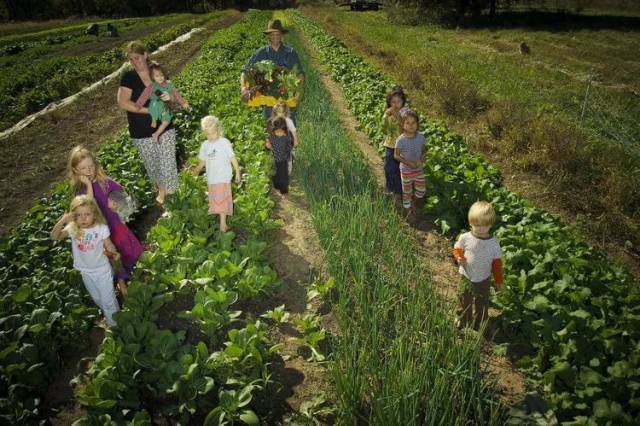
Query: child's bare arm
{"points": [[400, 158], [111, 248], [178, 97], [236, 167], [58, 233], [88, 186], [198, 168], [295, 138]]}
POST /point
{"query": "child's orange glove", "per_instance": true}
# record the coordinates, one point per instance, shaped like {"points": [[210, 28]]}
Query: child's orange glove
{"points": [[458, 255]]}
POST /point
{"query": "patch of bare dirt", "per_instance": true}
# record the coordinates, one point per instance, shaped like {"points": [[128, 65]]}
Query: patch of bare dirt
{"points": [[35, 158], [511, 385], [298, 259], [59, 399]]}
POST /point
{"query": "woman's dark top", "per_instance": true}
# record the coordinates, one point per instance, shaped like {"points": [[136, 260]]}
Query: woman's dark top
{"points": [[139, 124]]}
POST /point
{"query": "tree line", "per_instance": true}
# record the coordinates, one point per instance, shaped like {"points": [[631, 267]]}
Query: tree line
{"points": [[17, 10]]}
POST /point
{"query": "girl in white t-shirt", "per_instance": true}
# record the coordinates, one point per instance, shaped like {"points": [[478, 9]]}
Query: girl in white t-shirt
{"points": [[217, 155], [90, 243]]}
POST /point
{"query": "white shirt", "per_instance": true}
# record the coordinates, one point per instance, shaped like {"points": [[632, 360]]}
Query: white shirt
{"points": [[217, 155], [290, 125], [88, 247], [479, 253]]}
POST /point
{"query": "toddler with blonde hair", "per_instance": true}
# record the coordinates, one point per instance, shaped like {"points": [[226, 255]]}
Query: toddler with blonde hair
{"points": [[479, 256], [216, 154]]}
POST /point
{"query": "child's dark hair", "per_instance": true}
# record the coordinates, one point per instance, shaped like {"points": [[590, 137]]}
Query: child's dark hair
{"points": [[156, 66], [396, 91], [411, 113], [277, 123]]}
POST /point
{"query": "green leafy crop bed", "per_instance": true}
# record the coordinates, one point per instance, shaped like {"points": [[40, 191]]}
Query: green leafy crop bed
{"points": [[179, 336], [573, 307], [29, 86], [182, 350]]}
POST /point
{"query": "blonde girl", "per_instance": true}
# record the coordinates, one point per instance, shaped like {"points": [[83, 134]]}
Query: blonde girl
{"points": [[87, 177], [216, 154], [479, 255], [90, 243]]}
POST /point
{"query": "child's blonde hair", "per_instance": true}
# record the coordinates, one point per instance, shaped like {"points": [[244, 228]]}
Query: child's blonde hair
{"points": [[78, 154], [85, 201], [482, 213], [212, 126], [280, 109]]}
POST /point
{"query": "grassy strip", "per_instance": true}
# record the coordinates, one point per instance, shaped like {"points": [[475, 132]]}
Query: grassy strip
{"points": [[28, 87], [573, 308], [155, 363], [399, 360]]}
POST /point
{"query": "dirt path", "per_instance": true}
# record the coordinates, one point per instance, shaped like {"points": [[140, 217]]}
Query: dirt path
{"points": [[435, 249], [35, 158], [299, 260]]}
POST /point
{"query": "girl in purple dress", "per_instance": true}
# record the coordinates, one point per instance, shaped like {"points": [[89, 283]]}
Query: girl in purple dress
{"points": [[87, 177]]}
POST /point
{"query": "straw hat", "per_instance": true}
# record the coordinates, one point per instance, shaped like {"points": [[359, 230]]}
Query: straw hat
{"points": [[274, 26]]}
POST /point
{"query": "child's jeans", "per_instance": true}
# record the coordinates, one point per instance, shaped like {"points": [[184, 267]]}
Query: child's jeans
{"points": [[474, 301], [413, 184], [392, 172]]}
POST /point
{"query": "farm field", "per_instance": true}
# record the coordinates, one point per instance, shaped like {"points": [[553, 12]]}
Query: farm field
{"points": [[324, 306], [90, 120], [560, 123], [43, 68]]}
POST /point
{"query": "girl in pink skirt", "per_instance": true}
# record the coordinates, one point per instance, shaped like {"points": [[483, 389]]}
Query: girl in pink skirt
{"points": [[217, 155]]}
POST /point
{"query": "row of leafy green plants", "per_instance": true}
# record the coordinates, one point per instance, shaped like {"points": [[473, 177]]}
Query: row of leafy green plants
{"points": [[575, 310], [398, 359], [29, 86], [182, 351], [31, 45], [44, 307]]}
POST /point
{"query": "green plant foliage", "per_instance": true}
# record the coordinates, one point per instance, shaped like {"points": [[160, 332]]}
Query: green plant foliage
{"points": [[45, 307], [574, 307]]}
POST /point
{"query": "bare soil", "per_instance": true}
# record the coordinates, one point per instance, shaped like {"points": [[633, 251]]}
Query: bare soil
{"points": [[510, 383], [299, 260], [34, 159]]}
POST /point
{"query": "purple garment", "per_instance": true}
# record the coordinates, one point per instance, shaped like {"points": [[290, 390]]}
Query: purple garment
{"points": [[113, 221]]}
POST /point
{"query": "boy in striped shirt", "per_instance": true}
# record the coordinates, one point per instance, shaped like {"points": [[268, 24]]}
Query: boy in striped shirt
{"points": [[479, 255]]}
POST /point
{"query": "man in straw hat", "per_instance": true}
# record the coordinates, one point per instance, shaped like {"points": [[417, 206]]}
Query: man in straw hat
{"points": [[277, 52]]}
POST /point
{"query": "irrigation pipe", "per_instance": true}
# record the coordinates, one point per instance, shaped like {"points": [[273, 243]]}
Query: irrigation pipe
{"points": [[66, 101]]}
